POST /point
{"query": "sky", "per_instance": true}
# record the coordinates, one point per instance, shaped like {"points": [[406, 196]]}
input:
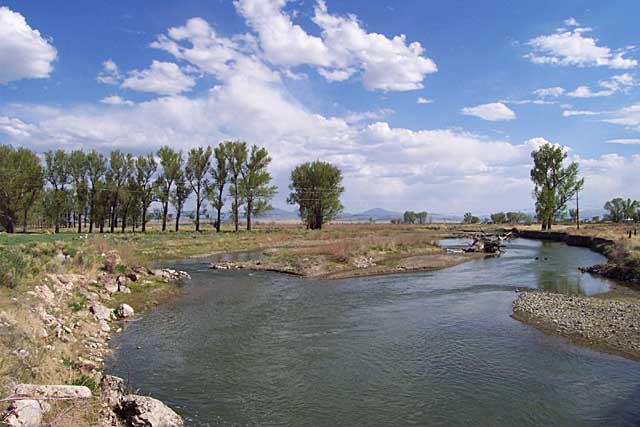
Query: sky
{"points": [[424, 105]]}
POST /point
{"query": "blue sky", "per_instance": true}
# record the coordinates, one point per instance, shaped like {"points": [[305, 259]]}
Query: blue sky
{"points": [[340, 81]]}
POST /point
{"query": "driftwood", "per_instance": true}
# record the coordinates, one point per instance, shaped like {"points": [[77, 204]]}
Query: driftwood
{"points": [[489, 243]]}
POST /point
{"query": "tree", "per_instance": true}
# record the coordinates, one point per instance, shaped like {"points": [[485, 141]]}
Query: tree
{"points": [[619, 209], [21, 184], [57, 173], [79, 176], [146, 168], [573, 215], [409, 217], [470, 219], [128, 191], [254, 184], [631, 208], [554, 185], [171, 162], [220, 175], [179, 196], [236, 152], [499, 218], [422, 217], [196, 170], [316, 188], [96, 169], [117, 176]]}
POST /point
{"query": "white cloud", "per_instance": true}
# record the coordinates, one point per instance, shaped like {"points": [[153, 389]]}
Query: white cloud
{"points": [[164, 78], [422, 100], [24, 53], [552, 92], [569, 113], [494, 112], [571, 22], [116, 100], [574, 48], [357, 117], [110, 73], [628, 116], [618, 83], [343, 49], [625, 141], [16, 128]]}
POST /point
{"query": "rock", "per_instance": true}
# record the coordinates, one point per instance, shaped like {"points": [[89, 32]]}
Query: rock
{"points": [[171, 275], [91, 296], [45, 294], [111, 261], [26, 413], [52, 391], [125, 311], [124, 289], [112, 390], [134, 277], [104, 326], [143, 411], [86, 366], [100, 311], [109, 283]]}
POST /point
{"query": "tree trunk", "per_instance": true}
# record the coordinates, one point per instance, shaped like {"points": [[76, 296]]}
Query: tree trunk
{"points": [[577, 210], [93, 213], [165, 210], [197, 213], [144, 219], [113, 218], [249, 209], [79, 222], [236, 217], [178, 220]]}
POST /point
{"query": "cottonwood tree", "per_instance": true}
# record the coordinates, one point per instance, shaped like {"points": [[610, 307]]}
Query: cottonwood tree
{"points": [[117, 176], [554, 184], [171, 163], [236, 152], [179, 196], [409, 217], [146, 167], [128, 192], [619, 209], [254, 184], [499, 217], [57, 174], [220, 176], [422, 217], [469, 218], [79, 177], [21, 183], [196, 171], [316, 188], [96, 169]]}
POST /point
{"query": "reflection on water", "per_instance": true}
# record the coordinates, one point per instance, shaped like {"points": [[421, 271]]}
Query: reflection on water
{"points": [[439, 348]]}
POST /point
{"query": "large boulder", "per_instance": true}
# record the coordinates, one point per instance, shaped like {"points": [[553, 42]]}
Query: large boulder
{"points": [[144, 411], [111, 261], [125, 311], [36, 391], [113, 389], [25, 413]]}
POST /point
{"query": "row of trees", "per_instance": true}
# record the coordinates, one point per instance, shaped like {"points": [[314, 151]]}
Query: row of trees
{"points": [[91, 190], [619, 210], [411, 217], [77, 188]]}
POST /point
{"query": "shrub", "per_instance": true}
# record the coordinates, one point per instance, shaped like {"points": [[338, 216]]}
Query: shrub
{"points": [[13, 266]]}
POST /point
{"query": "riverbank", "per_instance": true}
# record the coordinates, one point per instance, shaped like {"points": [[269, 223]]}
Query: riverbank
{"points": [[61, 293], [605, 324], [609, 321]]}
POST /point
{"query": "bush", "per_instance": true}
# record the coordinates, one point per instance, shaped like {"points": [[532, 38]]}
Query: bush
{"points": [[13, 267]]}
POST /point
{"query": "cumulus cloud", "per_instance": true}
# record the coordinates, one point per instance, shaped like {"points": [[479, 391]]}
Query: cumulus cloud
{"points": [[116, 100], [627, 116], [422, 100], [343, 49], [164, 78], [573, 47], [110, 73], [24, 53], [494, 112]]}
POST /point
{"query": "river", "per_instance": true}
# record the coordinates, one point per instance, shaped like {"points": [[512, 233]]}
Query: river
{"points": [[247, 348]]}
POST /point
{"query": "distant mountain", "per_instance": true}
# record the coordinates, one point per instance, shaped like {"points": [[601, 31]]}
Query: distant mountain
{"points": [[375, 214], [277, 214]]}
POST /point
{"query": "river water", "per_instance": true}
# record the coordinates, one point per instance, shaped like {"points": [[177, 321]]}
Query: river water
{"points": [[251, 349]]}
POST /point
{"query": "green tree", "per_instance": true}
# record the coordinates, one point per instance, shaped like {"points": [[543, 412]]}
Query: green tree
{"points": [[255, 187], [619, 209], [470, 219], [554, 184], [58, 176], [236, 157], [128, 191], [515, 217], [409, 217], [79, 177], [422, 217], [179, 196], [499, 217], [146, 167], [96, 169], [220, 175], [316, 188], [21, 185], [196, 170], [117, 176], [171, 163]]}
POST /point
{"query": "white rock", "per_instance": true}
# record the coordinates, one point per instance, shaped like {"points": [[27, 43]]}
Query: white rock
{"points": [[125, 311], [143, 411], [52, 391], [26, 413], [101, 312]]}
